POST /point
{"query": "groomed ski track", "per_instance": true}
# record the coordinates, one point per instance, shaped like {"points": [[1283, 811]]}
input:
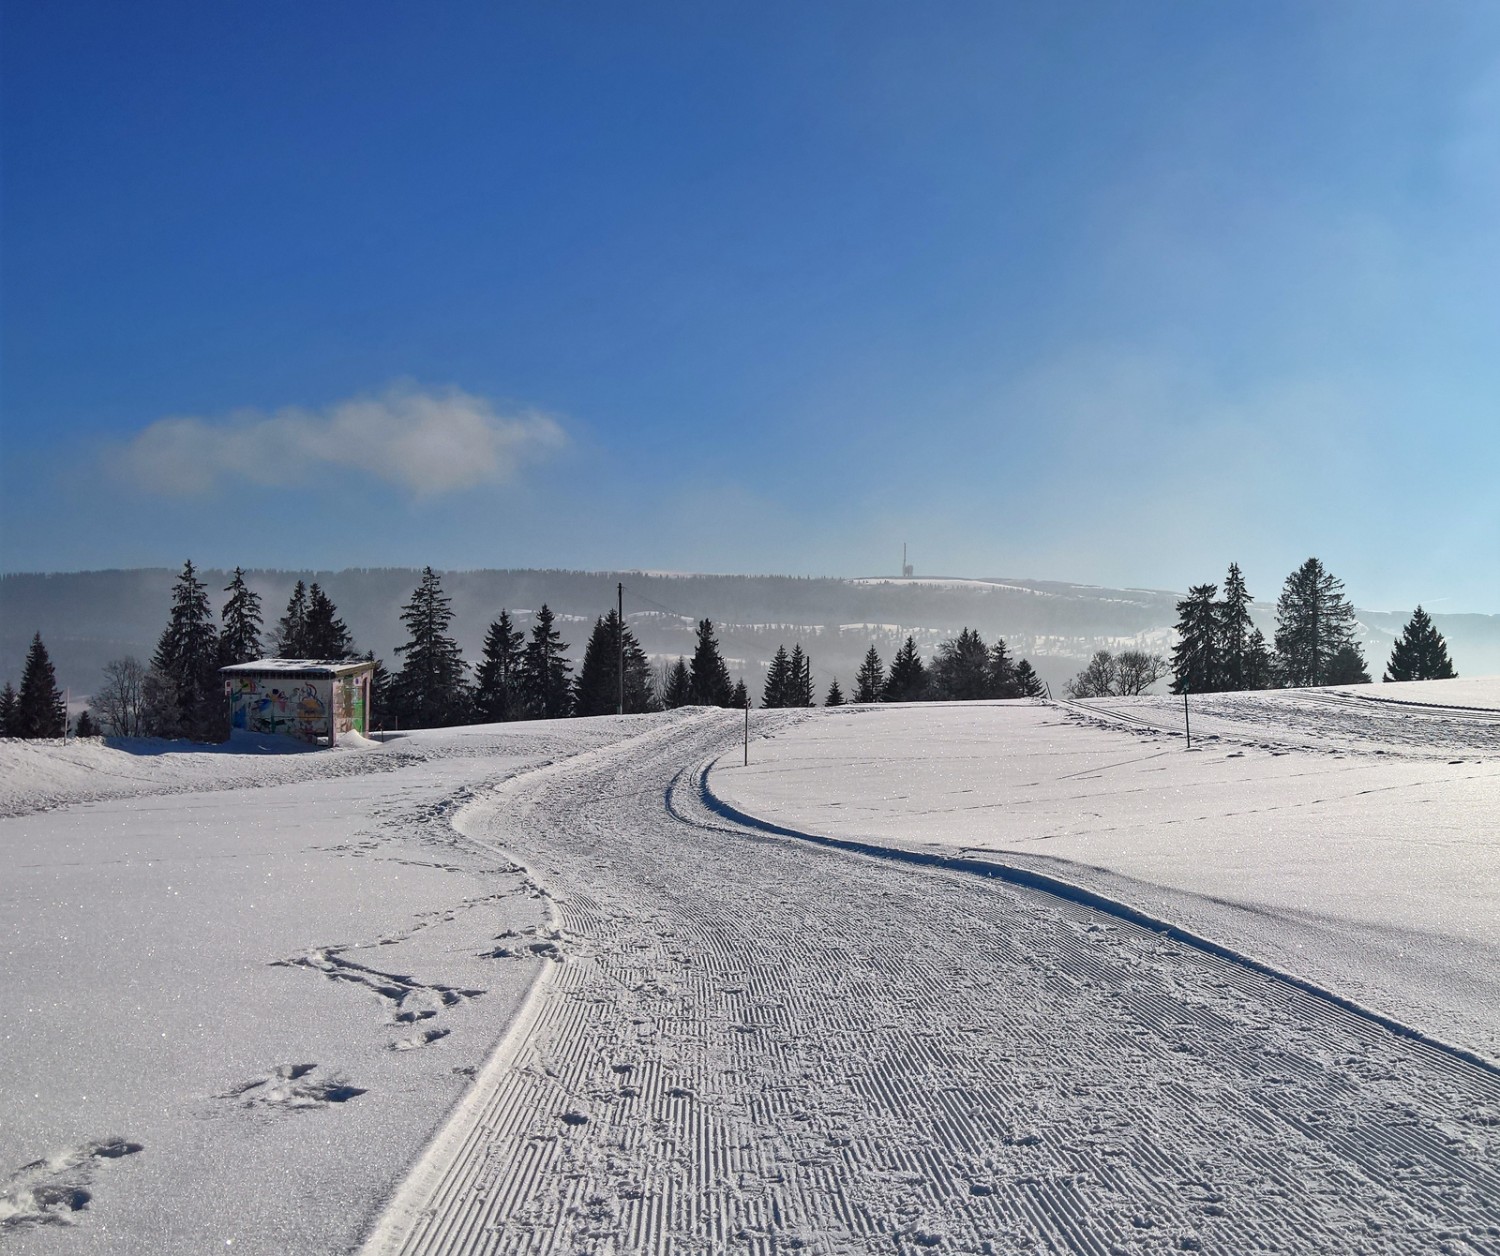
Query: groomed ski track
{"points": [[754, 1044]]}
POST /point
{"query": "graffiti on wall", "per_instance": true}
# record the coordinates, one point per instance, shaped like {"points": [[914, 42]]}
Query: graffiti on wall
{"points": [[289, 707]]}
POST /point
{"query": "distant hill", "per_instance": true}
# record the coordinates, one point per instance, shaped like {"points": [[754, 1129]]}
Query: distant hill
{"points": [[88, 618]]}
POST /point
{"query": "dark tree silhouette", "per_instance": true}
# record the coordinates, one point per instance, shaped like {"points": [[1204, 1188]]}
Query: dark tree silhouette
{"points": [[679, 687], [1195, 657], [1420, 653], [869, 681], [431, 690], [907, 679], [1314, 622], [597, 691], [961, 670], [835, 694], [291, 628], [39, 710], [324, 634], [1347, 667], [1028, 683], [1002, 672], [546, 673], [711, 683], [1234, 634], [497, 692], [187, 662], [799, 680], [240, 623], [778, 689]]}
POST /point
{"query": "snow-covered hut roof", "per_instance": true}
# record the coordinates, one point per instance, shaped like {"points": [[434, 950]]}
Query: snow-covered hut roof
{"points": [[297, 667]]}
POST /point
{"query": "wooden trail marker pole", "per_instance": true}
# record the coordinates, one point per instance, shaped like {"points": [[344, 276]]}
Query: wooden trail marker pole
{"points": [[747, 729], [1185, 722], [620, 594]]}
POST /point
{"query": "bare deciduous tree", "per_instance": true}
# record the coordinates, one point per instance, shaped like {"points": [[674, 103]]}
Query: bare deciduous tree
{"points": [[1136, 671], [1097, 680], [120, 702], [1117, 676]]}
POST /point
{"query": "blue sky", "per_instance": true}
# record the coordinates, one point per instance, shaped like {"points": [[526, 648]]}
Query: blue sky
{"points": [[1104, 292]]}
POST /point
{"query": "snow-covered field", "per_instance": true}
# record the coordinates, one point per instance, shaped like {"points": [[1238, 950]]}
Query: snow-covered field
{"points": [[265, 971], [1351, 841], [535, 988]]}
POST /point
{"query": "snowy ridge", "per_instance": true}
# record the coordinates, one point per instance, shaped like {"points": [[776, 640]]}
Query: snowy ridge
{"points": [[1074, 893]]}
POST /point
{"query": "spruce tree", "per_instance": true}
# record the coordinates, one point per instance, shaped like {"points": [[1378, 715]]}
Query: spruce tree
{"points": [[741, 697], [961, 670], [800, 683], [711, 683], [86, 726], [240, 620], [1195, 657], [431, 690], [679, 690], [907, 680], [291, 628], [497, 691], [869, 681], [8, 703], [1314, 622], [324, 634], [187, 657], [546, 673], [778, 690], [1260, 663], [835, 694], [1347, 667], [1420, 653], [1002, 672], [1234, 633], [1028, 683], [597, 690], [39, 711]]}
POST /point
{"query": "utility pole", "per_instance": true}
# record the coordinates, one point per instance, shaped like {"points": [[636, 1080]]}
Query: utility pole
{"points": [[620, 610]]}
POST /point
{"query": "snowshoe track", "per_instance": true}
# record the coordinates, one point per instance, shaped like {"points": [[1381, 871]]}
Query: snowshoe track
{"points": [[755, 1045]]}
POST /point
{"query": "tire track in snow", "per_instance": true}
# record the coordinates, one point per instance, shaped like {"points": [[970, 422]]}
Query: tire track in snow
{"points": [[756, 1045]]}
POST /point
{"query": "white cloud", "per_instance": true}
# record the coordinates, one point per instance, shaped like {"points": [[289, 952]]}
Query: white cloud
{"points": [[426, 442]]}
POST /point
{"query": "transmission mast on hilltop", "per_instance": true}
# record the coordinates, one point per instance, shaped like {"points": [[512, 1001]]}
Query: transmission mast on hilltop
{"points": [[905, 566]]}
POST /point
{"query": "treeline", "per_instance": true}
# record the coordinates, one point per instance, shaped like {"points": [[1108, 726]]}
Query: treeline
{"points": [[964, 669], [179, 693], [1220, 650]]}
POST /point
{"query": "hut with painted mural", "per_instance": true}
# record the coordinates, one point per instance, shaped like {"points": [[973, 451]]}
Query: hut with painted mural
{"points": [[313, 700]]}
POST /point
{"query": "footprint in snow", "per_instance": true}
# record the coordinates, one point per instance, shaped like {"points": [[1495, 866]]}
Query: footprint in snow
{"points": [[291, 1086], [51, 1190]]}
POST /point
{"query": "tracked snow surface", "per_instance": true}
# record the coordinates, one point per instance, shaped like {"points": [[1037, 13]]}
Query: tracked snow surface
{"points": [[739, 1038]]}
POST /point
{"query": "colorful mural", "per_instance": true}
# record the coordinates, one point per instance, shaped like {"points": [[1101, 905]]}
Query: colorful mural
{"points": [[313, 709], [272, 704]]}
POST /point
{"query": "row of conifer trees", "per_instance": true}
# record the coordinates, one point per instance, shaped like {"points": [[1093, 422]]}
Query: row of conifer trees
{"points": [[1219, 649], [521, 676]]}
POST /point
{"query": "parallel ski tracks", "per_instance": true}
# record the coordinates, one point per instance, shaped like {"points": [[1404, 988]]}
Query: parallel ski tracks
{"points": [[759, 1046]]}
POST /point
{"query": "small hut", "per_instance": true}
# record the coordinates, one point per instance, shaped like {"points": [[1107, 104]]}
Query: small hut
{"points": [[313, 700]]}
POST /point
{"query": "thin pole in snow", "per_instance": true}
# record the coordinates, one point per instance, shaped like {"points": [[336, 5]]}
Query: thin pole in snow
{"points": [[620, 594], [1185, 722], [747, 728]]}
